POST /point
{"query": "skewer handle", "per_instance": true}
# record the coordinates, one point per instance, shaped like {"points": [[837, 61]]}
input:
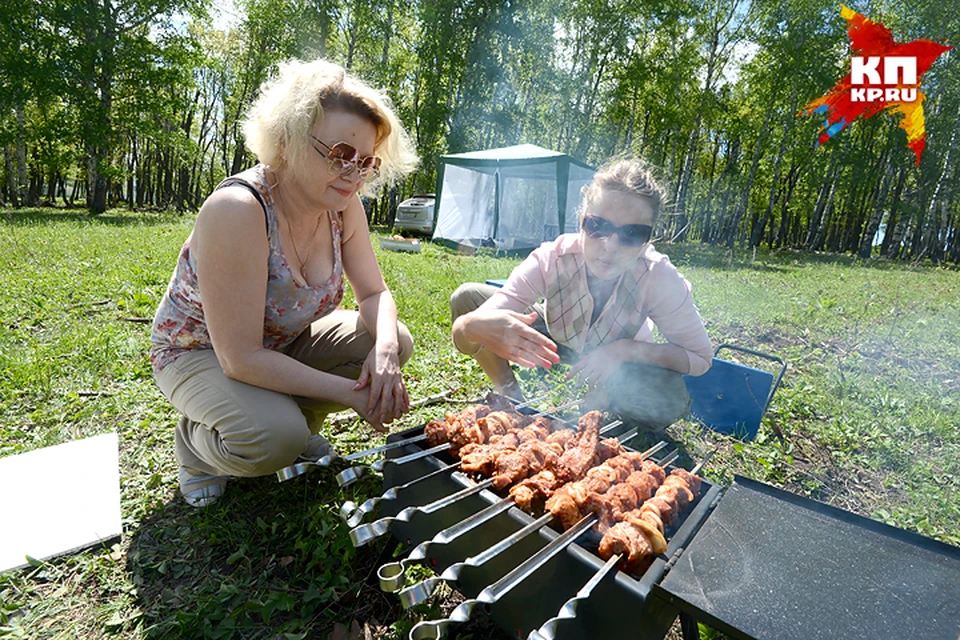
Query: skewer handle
{"points": [[431, 629], [365, 533], [549, 629], [300, 468], [422, 590], [351, 475], [392, 575], [353, 515]]}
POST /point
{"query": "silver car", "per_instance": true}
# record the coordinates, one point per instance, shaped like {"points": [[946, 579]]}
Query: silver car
{"points": [[416, 213]]}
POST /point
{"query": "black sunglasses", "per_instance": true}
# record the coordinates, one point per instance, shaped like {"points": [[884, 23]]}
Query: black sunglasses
{"points": [[630, 235]]}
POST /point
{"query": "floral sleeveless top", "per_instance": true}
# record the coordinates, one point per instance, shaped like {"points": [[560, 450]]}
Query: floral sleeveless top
{"points": [[290, 307]]}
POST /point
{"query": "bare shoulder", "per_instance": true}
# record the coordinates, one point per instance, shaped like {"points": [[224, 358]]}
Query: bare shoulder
{"points": [[229, 217], [233, 206]]}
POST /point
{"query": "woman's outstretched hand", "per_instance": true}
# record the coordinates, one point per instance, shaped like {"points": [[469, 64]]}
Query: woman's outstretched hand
{"points": [[387, 397], [509, 335]]}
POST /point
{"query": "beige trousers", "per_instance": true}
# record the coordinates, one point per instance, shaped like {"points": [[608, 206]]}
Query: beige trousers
{"points": [[230, 428], [641, 394]]}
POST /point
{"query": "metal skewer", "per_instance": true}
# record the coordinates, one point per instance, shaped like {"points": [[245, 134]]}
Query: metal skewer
{"points": [[392, 575], [351, 475], [420, 591], [365, 533], [435, 628], [548, 630], [300, 468], [699, 466], [353, 515]]}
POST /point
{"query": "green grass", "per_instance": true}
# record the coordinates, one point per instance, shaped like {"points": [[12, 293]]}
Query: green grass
{"points": [[868, 413]]}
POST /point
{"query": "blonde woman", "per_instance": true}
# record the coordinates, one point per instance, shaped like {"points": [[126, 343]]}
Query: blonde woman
{"points": [[591, 299], [248, 343]]}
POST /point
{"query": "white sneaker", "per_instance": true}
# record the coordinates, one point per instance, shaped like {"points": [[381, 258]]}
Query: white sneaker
{"points": [[201, 490], [317, 447]]}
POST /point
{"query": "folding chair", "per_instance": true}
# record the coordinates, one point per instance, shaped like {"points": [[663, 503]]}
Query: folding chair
{"points": [[731, 398]]}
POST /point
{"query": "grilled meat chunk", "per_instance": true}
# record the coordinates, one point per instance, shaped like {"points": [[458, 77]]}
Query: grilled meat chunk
{"points": [[582, 455], [562, 437], [639, 534], [531, 493], [625, 539], [510, 467], [609, 448]]}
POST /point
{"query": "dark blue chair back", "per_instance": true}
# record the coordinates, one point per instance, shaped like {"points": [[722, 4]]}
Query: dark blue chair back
{"points": [[731, 398]]}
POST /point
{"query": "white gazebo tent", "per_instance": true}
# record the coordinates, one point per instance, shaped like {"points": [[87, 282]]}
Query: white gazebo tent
{"points": [[511, 198]]}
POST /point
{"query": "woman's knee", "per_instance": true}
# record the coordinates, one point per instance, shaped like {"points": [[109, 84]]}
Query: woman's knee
{"points": [[406, 343], [268, 442], [648, 395], [468, 297]]}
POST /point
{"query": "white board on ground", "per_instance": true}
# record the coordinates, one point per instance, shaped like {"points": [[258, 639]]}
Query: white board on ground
{"points": [[59, 500]]}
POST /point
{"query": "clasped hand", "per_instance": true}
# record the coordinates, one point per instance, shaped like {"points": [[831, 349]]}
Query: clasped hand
{"points": [[387, 397]]}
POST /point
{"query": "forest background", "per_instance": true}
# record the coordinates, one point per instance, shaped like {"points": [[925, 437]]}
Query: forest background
{"points": [[138, 103]]}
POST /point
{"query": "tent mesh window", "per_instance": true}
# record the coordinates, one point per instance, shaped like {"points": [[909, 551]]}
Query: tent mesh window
{"points": [[512, 198]]}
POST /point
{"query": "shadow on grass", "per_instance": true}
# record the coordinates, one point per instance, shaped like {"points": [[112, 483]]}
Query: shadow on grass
{"points": [[37, 217], [265, 560]]}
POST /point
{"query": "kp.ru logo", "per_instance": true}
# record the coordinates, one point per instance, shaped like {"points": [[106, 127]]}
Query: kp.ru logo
{"points": [[884, 75], [865, 78]]}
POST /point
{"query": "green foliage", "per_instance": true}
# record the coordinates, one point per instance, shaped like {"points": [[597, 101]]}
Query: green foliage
{"points": [[141, 101]]}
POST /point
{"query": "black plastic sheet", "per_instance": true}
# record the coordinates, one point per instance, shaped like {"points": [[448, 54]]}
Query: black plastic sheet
{"points": [[770, 564]]}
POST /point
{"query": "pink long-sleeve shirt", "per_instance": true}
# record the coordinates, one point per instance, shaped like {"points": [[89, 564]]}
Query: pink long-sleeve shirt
{"points": [[651, 293]]}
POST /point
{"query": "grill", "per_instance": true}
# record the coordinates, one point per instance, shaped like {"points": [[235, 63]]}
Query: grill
{"points": [[750, 560]]}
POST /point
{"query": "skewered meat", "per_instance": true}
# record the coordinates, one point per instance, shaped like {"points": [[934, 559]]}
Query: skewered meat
{"points": [[649, 531], [643, 527], [562, 437], [602, 493], [510, 467], [572, 474], [469, 428], [497, 402], [529, 494], [440, 431], [610, 506], [579, 457], [510, 456], [609, 448], [643, 484], [623, 538], [481, 458]]}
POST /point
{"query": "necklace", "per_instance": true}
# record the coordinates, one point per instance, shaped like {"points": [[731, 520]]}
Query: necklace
{"points": [[294, 243]]}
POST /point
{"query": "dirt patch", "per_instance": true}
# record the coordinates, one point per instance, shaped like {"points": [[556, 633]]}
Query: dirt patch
{"points": [[849, 486]]}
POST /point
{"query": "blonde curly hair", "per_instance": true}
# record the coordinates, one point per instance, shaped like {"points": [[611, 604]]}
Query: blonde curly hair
{"points": [[630, 176], [277, 125]]}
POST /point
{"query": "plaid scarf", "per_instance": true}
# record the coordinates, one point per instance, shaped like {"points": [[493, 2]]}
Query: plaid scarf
{"points": [[569, 306]]}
